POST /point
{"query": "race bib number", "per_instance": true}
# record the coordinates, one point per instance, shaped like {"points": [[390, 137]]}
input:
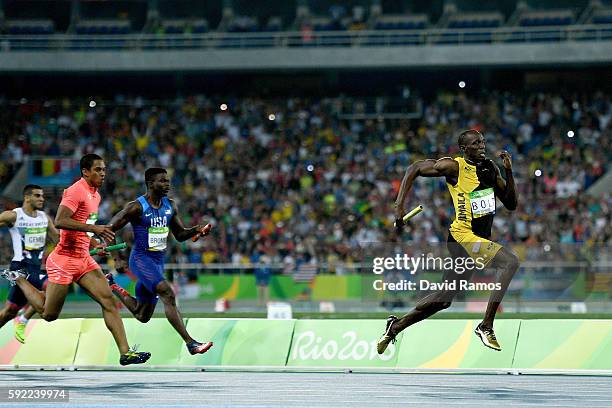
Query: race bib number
{"points": [[482, 202], [91, 220], [158, 238], [35, 238]]}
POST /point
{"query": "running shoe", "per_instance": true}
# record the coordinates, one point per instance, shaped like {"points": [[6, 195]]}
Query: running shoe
{"points": [[134, 357], [196, 347], [115, 287], [487, 336], [12, 276], [110, 278], [20, 331], [388, 336]]}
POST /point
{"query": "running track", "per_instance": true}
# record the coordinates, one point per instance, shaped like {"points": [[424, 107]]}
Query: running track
{"points": [[308, 389]]}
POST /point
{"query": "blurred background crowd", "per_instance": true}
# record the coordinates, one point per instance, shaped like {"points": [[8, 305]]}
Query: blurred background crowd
{"points": [[290, 178]]}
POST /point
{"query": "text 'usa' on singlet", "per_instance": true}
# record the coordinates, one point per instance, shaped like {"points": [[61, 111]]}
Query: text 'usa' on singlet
{"points": [[152, 228]]}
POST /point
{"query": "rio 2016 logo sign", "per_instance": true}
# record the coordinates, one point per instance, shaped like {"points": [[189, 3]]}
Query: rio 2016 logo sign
{"points": [[309, 346]]}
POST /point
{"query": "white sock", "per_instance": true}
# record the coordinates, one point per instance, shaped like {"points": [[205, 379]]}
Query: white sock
{"points": [[22, 319]]}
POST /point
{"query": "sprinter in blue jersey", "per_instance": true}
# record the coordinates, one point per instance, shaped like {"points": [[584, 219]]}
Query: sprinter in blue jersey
{"points": [[153, 216]]}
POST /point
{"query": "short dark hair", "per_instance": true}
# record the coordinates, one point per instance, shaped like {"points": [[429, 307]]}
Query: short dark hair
{"points": [[27, 190], [88, 160], [464, 134], [151, 172]]}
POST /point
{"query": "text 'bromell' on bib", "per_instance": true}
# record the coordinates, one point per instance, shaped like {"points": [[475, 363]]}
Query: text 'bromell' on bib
{"points": [[158, 238], [34, 238], [482, 202]]}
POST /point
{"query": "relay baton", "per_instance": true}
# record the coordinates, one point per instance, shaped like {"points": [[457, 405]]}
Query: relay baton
{"points": [[109, 248], [205, 231], [411, 214]]}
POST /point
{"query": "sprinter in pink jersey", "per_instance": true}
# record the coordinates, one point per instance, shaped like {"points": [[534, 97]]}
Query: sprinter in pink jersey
{"points": [[70, 261]]}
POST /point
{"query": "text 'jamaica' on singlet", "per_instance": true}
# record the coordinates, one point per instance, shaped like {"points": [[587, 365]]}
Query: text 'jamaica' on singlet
{"points": [[473, 198]]}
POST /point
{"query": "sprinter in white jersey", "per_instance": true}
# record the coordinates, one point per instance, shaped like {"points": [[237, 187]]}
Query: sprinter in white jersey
{"points": [[30, 229]]}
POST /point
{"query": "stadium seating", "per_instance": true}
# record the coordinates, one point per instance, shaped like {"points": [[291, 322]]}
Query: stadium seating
{"points": [[397, 23], [475, 20], [401, 22], [243, 24], [174, 26], [325, 24], [182, 26], [543, 18], [30, 27], [602, 17], [103, 27], [274, 24], [454, 26]]}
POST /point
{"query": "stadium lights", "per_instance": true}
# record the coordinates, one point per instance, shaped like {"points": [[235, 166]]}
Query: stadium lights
{"points": [[92, 104], [570, 133], [223, 107], [538, 173], [462, 84]]}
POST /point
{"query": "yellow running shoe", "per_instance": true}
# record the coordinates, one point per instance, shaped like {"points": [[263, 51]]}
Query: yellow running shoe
{"points": [[387, 337], [20, 331], [487, 336]]}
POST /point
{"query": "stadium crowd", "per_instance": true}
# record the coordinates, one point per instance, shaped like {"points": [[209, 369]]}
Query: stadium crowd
{"points": [[289, 179]]}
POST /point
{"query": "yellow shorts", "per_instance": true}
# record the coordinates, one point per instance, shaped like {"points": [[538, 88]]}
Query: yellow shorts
{"points": [[475, 246]]}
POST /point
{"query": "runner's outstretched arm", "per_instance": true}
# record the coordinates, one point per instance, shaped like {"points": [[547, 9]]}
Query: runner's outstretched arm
{"points": [[63, 220], [130, 212], [178, 229], [445, 166]]}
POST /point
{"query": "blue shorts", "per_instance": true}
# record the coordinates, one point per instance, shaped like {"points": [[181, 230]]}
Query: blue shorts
{"points": [[262, 277], [16, 299], [149, 273]]}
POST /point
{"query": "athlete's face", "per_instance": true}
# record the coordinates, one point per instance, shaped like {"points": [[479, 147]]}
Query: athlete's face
{"points": [[474, 148], [36, 199], [160, 185], [96, 174]]}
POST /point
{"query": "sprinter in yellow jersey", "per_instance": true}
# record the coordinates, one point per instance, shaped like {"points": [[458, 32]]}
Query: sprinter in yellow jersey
{"points": [[475, 183]]}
